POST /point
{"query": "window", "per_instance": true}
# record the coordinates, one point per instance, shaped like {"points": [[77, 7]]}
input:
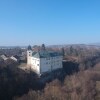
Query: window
{"points": [[47, 58], [37, 64]]}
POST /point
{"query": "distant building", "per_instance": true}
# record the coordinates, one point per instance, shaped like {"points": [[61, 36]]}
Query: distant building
{"points": [[14, 58], [4, 57], [43, 61]]}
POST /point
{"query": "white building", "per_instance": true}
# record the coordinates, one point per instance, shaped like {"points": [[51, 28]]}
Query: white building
{"points": [[44, 61], [14, 58], [4, 57]]}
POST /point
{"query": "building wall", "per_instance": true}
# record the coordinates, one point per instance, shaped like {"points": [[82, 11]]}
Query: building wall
{"points": [[45, 65], [49, 64], [35, 64], [56, 62]]}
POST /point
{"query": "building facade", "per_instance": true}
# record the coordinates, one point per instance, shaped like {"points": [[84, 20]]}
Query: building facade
{"points": [[44, 61]]}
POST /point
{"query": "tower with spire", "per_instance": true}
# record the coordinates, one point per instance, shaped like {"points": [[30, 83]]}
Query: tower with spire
{"points": [[29, 55]]}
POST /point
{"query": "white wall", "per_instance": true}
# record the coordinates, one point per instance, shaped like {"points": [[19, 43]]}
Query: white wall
{"points": [[29, 55], [35, 64], [50, 64], [45, 65]]}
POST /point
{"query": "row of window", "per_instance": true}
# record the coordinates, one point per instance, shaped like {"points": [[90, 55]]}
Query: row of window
{"points": [[49, 58], [57, 61], [53, 58], [52, 63], [35, 65], [49, 63]]}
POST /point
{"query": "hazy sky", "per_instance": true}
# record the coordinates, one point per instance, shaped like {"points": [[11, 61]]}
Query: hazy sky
{"points": [[24, 22]]}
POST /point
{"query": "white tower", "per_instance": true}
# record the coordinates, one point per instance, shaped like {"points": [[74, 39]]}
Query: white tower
{"points": [[29, 55]]}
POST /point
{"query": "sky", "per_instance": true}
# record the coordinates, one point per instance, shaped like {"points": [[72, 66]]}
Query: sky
{"points": [[24, 22]]}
